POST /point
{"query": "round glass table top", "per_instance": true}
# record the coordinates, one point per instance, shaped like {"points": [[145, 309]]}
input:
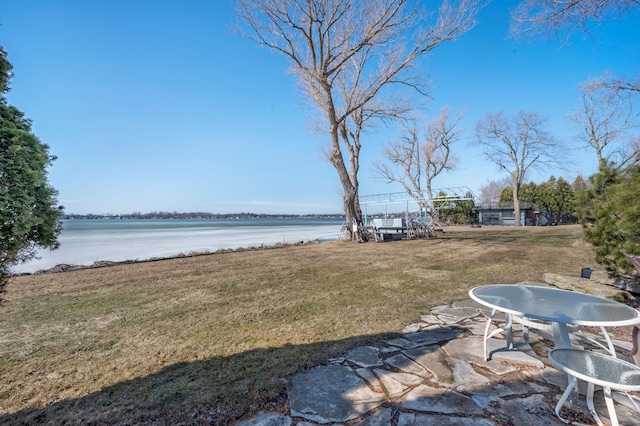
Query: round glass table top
{"points": [[597, 368], [552, 304]]}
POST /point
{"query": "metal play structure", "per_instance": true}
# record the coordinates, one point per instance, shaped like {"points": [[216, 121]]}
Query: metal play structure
{"points": [[415, 223]]}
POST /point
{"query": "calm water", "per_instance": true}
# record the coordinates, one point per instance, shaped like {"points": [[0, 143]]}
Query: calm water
{"points": [[83, 242]]}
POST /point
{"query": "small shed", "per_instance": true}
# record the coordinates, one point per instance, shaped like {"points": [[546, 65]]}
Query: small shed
{"points": [[504, 214]]}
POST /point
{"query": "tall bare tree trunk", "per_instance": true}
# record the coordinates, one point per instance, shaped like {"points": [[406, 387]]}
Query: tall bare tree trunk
{"points": [[516, 202], [353, 213]]}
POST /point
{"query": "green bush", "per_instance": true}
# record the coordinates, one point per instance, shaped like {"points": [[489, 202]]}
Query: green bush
{"points": [[610, 215]]}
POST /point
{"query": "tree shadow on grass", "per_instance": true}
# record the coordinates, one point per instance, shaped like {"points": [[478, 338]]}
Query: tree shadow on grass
{"points": [[224, 389], [217, 390]]}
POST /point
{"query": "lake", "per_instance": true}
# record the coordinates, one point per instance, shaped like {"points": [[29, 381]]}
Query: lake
{"points": [[85, 241]]}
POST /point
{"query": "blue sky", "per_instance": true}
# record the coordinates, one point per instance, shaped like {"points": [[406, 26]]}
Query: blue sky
{"points": [[154, 105]]}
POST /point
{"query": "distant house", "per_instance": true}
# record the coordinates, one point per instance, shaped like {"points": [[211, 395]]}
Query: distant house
{"points": [[503, 214]]}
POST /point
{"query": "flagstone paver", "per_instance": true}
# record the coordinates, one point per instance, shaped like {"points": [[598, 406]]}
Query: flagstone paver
{"points": [[372, 381], [433, 359], [365, 356], [267, 419], [434, 400], [431, 319], [464, 376], [411, 419], [406, 364], [396, 384], [331, 393], [436, 374]]}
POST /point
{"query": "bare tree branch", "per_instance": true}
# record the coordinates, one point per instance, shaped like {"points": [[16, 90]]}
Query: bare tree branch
{"points": [[404, 154], [348, 55], [491, 190], [562, 18], [415, 165], [615, 84], [604, 118]]}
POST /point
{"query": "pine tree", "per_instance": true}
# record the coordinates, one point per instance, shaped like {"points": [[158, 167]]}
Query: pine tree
{"points": [[610, 215], [29, 214]]}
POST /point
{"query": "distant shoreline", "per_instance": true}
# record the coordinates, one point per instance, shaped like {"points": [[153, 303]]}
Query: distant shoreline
{"points": [[196, 215]]}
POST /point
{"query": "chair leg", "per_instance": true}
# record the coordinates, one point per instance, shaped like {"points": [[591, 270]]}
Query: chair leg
{"points": [[592, 408], [609, 344], [486, 334], [507, 329], [612, 410], [565, 395], [611, 348], [633, 401]]}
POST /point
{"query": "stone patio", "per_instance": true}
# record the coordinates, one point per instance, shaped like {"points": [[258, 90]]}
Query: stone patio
{"points": [[435, 374]]}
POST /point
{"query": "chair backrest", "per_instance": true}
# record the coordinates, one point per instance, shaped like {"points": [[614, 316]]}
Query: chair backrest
{"points": [[634, 353]]}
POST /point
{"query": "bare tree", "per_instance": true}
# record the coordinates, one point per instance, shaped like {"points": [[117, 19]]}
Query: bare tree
{"points": [[491, 190], [563, 17], [412, 163], [516, 144], [349, 56], [604, 118]]}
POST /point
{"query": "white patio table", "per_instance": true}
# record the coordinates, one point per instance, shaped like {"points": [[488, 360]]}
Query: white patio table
{"points": [[559, 307], [563, 308]]}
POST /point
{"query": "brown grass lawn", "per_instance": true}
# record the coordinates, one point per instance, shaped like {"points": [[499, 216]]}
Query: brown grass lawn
{"points": [[208, 339]]}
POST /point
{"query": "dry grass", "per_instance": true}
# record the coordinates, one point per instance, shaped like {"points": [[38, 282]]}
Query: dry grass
{"points": [[208, 339]]}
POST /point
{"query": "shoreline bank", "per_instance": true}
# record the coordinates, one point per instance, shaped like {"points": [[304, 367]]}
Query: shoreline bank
{"points": [[86, 242], [65, 267]]}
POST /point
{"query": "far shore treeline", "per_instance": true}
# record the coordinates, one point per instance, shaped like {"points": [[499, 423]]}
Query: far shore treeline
{"points": [[199, 215]]}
